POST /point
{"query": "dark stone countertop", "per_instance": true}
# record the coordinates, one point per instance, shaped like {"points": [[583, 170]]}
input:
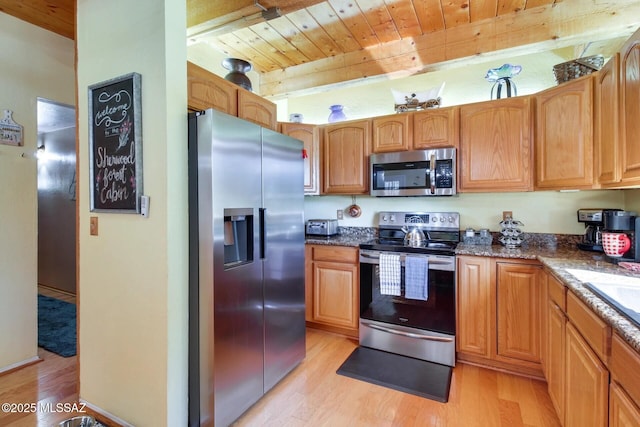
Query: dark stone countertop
{"points": [[556, 259]]}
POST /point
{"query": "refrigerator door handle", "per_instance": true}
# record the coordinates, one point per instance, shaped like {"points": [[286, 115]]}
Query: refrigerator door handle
{"points": [[263, 247]]}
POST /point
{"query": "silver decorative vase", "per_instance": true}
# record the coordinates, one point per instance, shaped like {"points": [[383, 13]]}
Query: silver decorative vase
{"points": [[238, 69]]}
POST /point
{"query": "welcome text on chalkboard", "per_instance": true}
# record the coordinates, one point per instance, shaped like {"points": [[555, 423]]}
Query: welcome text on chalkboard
{"points": [[115, 138]]}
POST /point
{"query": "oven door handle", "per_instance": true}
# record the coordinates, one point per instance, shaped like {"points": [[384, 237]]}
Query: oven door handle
{"points": [[408, 334], [402, 258]]}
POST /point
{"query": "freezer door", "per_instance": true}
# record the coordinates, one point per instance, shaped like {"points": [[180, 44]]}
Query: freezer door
{"points": [[283, 252], [231, 157]]}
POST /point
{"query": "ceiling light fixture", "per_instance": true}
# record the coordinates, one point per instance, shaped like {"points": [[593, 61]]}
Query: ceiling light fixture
{"points": [[265, 14]]}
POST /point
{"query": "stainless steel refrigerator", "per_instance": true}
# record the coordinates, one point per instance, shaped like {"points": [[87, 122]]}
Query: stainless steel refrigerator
{"points": [[247, 325]]}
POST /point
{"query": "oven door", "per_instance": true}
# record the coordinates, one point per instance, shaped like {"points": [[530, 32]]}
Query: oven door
{"points": [[415, 328]]}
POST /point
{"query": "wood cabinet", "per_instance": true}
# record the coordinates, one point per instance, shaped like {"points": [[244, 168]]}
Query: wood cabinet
{"points": [[345, 157], [498, 306], [554, 370], [606, 126], [624, 392], [332, 288], [495, 146], [623, 411], [391, 133], [518, 310], [587, 386], [630, 111], [564, 136], [436, 128], [208, 90], [310, 137], [475, 306], [577, 343], [256, 109]]}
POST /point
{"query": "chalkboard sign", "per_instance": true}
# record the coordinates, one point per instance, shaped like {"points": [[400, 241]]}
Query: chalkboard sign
{"points": [[115, 139]]}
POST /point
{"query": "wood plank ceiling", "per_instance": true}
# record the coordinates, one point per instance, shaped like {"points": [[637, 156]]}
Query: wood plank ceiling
{"points": [[313, 44]]}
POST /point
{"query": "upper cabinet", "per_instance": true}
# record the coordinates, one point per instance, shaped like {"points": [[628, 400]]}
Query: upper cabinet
{"points": [[606, 124], [495, 146], [345, 157], [392, 133], [630, 111], [564, 136], [310, 136], [207, 90], [436, 128], [256, 109]]}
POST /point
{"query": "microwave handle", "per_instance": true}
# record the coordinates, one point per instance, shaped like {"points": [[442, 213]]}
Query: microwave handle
{"points": [[432, 173]]}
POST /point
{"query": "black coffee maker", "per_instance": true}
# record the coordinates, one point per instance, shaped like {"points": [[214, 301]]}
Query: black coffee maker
{"points": [[593, 220], [628, 223]]}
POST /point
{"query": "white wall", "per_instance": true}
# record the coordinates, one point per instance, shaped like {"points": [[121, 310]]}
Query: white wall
{"points": [[35, 63], [133, 278], [541, 212]]}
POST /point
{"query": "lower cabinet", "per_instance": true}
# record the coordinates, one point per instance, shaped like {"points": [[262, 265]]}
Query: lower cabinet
{"points": [[498, 313], [577, 347], [332, 291], [624, 392], [623, 411], [587, 383]]}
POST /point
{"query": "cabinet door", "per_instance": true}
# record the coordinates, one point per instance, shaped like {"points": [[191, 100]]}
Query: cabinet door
{"points": [[630, 110], [623, 412], [256, 109], [436, 128], [555, 358], [310, 137], [345, 158], [335, 294], [606, 123], [564, 136], [391, 133], [207, 90], [495, 146], [518, 311], [475, 310], [587, 387]]}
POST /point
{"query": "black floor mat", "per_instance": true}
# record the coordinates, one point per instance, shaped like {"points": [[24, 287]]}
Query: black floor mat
{"points": [[425, 379]]}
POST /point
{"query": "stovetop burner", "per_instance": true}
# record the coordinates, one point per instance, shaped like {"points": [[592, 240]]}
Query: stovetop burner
{"points": [[445, 248], [441, 228]]}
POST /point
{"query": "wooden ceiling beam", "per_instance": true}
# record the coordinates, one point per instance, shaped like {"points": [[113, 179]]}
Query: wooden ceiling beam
{"points": [[534, 30], [204, 15]]}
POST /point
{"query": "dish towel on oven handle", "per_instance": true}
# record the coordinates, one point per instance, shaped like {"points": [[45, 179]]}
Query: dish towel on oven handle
{"points": [[390, 274], [416, 277]]}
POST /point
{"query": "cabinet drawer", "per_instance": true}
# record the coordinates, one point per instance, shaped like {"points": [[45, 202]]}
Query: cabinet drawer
{"points": [[335, 254], [557, 292], [591, 327], [625, 367]]}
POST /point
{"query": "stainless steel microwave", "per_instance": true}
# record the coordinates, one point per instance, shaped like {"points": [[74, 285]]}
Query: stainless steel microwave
{"points": [[413, 173]]}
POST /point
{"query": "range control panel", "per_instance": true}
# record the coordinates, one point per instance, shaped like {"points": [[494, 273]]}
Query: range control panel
{"points": [[431, 220]]}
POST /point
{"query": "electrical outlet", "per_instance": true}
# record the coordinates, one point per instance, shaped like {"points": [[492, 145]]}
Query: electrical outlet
{"points": [[507, 214], [93, 225], [340, 214]]}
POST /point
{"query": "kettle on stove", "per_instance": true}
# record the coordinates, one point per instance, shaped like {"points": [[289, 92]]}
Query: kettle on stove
{"points": [[414, 237]]}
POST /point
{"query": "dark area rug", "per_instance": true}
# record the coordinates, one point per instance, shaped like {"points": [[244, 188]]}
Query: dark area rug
{"points": [[57, 326], [406, 374]]}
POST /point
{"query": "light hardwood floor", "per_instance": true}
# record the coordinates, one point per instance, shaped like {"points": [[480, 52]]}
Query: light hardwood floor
{"points": [[314, 395]]}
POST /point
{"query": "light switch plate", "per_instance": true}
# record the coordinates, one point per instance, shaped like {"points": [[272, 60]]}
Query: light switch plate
{"points": [[144, 206]]}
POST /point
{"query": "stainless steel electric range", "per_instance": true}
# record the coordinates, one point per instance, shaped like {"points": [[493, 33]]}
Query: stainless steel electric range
{"points": [[407, 292]]}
